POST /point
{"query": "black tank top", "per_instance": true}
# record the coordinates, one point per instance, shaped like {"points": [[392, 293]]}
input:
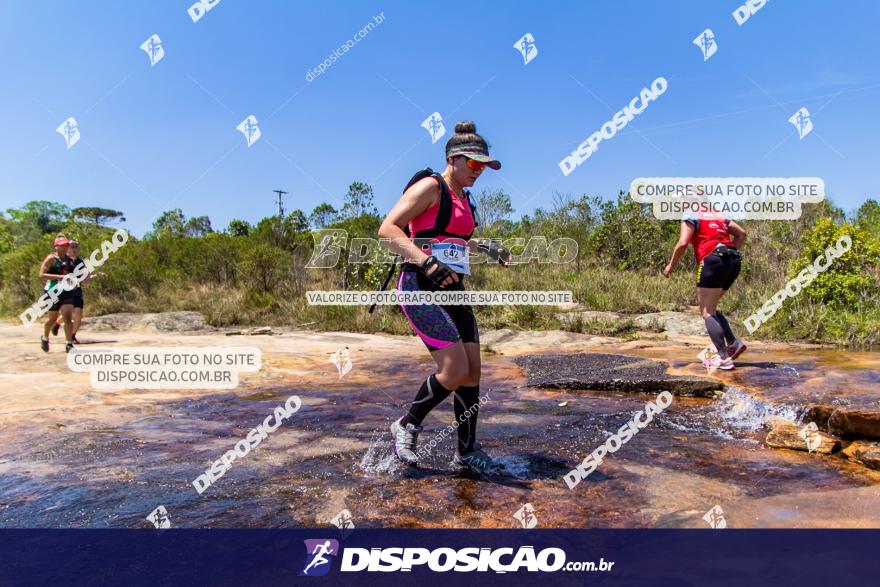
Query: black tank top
{"points": [[74, 264]]}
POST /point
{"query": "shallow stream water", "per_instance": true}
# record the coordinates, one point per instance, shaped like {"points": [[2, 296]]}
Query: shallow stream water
{"points": [[109, 459]]}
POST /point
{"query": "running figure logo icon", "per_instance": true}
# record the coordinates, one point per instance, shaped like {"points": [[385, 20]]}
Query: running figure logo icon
{"points": [[317, 553], [801, 121], [344, 522], [715, 518], [153, 48], [69, 129], [711, 359], [526, 516], [342, 361], [526, 46], [706, 42], [250, 128], [810, 434], [434, 125], [159, 518], [329, 243]]}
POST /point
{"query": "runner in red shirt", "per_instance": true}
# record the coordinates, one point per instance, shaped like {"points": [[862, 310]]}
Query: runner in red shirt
{"points": [[716, 241]]}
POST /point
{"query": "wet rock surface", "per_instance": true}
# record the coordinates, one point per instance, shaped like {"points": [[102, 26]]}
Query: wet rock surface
{"points": [[71, 456], [855, 424], [788, 434], [812, 377], [865, 453], [819, 415], [611, 372]]}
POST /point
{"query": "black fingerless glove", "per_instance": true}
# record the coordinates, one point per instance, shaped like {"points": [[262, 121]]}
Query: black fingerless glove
{"points": [[493, 249], [440, 273]]}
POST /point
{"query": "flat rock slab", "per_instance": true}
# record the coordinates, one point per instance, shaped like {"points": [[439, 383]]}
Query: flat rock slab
{"points": [[609, 372], [674, 324], [865, 453], [252, 331], [787, 434], [160, 322], [855, 424]]}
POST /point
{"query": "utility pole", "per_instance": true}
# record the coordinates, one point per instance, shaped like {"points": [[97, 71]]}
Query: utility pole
{"points": [[280, 204]]}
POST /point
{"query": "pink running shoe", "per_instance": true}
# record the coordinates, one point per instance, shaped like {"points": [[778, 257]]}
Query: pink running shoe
{"points": [[714, 363]]}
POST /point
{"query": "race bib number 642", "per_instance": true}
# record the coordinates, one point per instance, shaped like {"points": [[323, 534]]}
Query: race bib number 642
{"points": [[454, 255]]}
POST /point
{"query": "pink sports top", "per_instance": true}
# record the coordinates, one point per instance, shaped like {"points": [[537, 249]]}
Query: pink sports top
{"points": [[460, 222]]}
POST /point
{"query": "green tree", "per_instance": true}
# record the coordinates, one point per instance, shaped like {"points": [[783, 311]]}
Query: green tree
{"points": [[868, 217], [171, 223], [262, 267], [572, 219], [492, 206], [298, 221], [197, 226], [286, 234], [323, 216], [36, 218], [848, 281], [239, 227], [628, 234], [98, 216], [7, 234], [358, 201]]}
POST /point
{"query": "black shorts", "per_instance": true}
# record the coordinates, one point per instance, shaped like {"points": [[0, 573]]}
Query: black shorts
{"points": [[717, 271], [65, 298], [438, 326], [78, 301]]}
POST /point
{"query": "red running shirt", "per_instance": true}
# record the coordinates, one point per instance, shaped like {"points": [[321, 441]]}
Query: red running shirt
{"points": [[709, 232]]}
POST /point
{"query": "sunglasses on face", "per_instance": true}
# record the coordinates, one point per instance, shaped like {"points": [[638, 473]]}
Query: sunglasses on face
{"points": [[475, 165]]}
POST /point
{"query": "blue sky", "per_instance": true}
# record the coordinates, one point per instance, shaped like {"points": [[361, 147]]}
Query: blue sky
{"points": [[155, 138]]}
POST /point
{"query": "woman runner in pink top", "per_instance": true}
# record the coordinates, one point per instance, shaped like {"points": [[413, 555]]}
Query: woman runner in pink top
{"points": [[449, 331]]}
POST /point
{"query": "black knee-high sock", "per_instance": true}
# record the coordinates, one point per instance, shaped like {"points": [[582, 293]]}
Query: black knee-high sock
{"points": [[430, 394], [716, 333], [466, 405], [728, 333]]}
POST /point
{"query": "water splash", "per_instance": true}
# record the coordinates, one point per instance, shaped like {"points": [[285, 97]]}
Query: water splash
{"points": [[704, 427], [379, 458], [513, 466], [741, 411]]}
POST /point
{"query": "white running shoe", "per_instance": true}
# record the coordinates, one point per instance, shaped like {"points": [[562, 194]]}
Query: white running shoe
{"points": [[403, 443]]}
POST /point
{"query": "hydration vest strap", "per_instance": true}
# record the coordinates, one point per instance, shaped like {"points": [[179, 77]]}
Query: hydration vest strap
{"points": [[444, 212], [387, 279], [441, 222]]}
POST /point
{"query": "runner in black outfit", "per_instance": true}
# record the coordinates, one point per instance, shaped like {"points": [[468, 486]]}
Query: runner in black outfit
{"points": [[54, 267], [78, 300]]}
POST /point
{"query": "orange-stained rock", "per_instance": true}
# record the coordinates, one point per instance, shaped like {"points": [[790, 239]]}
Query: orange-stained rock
{"points": [[787, 434], [865, 453], [855, 424]]}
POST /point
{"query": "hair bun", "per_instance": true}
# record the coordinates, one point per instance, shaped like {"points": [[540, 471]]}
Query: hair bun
{"points": [[465, 127]]}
